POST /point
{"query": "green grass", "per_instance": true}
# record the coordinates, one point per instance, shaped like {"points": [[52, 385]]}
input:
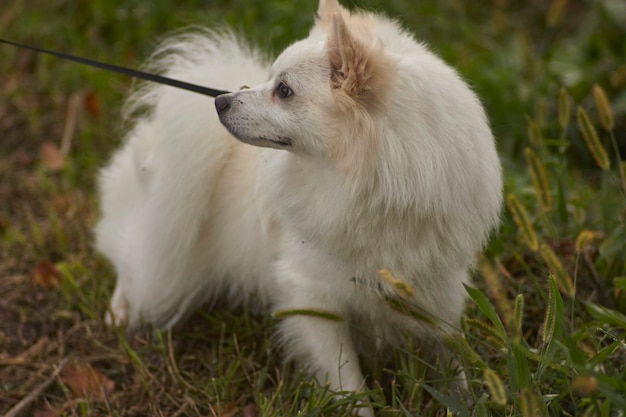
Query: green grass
{"points": [[528, 347]]}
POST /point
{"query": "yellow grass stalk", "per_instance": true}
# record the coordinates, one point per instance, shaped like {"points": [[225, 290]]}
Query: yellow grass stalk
{"points": [[495, 386], [534, 133], [489, 332], [622, 173], [402, 288], [556, 12], [460, 346], [563, 280], [321, 314], [529, 404], [413, 311], [496, 291], [520, 217], [539, 179], [549, 321], [591, 139], [541, 109], [604, 108], [584, 238], [564, 109], [400, 300], [518, 316]]}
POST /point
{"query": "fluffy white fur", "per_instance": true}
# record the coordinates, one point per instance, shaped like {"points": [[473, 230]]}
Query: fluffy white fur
{"points": [[369, 153]]}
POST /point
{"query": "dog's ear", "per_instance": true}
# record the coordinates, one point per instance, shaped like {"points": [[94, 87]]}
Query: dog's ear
{"points": [[361, 71], [325, 11]]}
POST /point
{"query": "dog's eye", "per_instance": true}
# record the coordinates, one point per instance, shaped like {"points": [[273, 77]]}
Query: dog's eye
{"points": [[283, 90]]}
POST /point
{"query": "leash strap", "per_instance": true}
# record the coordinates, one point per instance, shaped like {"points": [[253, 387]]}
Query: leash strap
{"points": [[126, 71]]}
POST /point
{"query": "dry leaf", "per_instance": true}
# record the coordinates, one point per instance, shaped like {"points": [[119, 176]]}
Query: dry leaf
{"points": [[229, 410], [45, 413], [46, 275], [51, 156], [4, 222], [92, 104], [72, 114], [85, 381], [64, 204], [585, 384], [250, 410]]}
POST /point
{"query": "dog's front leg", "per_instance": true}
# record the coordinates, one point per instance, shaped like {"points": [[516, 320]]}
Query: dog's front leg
{"points": [[327, 348]]}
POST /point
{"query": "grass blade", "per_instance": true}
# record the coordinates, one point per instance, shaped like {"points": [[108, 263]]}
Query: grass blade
{"points": [[487, 309], [322, 314], [606, 315], [447, 400], [517, 361], [518, 317]]}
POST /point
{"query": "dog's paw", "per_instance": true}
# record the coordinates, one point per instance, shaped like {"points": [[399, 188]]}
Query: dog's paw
{"points": [[118, 314]]}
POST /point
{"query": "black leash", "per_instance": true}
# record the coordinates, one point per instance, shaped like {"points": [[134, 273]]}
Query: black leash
{"points": [[126, 71]]}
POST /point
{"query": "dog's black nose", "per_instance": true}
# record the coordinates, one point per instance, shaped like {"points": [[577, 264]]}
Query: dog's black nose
{"points": [[222, 103]]}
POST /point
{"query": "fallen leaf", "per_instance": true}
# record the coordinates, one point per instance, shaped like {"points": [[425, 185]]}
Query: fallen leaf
{"points": [[4, 222], [46, 275], [229, 410], [585, 384], [250, 410], [51, 157], [85, 381], [92, 104], [45, 413], [64, 204]]}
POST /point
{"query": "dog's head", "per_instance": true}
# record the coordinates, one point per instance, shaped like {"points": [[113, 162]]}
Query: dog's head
{"points": [[321, 91]]}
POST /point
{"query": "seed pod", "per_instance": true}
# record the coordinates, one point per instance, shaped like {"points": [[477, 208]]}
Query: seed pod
{"points": [[496, 387], [539, 179], [563, 280], [529, 404], [520, 217], [591, 139], [564, 108], [604, 108]]}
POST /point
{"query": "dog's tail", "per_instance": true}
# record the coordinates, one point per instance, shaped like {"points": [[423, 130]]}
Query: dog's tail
{"points": [[219, 58], [156, 193]]}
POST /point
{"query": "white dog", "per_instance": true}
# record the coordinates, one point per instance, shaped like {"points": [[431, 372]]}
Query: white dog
{"points": [[368, 152]]}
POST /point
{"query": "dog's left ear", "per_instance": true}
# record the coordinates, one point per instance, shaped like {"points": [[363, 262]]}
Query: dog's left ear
{"points": [[361, 71], [325, 11]]}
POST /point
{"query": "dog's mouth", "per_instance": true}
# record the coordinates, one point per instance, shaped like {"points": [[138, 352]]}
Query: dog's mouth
{"points": [[277, 142], [280, 142]]}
